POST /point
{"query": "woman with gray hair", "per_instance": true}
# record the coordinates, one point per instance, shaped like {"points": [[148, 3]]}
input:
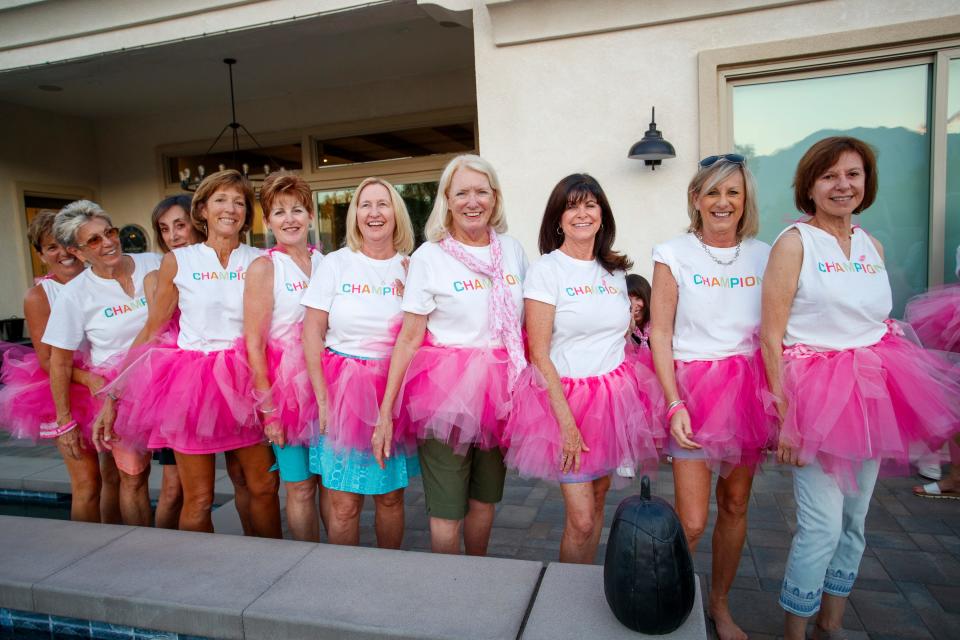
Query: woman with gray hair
{"points": [[105, 308], [464, 287], [705, 310]]}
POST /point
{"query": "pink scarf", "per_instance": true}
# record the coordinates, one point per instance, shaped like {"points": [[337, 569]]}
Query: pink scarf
{"points": [[504, 323]]}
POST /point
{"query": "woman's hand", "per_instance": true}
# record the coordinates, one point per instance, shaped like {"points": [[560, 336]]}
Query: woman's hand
{"points": [[573, 446], [787, 453], [274, 432], [382, 439], [681, 430], [322, 413], [103, 433], [71, 443]]}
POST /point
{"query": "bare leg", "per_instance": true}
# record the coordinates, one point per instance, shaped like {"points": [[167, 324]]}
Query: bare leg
{"points": [[241, 494], [830, 617], [85, 485], [344, 523], [110, 490], [135, 498], [477, 526], [264, 485], [196, 476], [302, 514], [445, 535], [324, 505], [733, 495], [691, 481], [388, 520], [171, 498], [794, 627]]}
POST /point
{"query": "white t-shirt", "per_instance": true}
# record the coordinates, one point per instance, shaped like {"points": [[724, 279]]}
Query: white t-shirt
{"points": [[360, 295], [51, 288], [456, 298], [289, 285], [840, 303], [98, 310], [718, 308], [592, 313], [211, 297]]}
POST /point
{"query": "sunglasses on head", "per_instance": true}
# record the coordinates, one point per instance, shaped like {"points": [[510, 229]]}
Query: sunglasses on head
{"points": [[734, 158], [94, 241]]}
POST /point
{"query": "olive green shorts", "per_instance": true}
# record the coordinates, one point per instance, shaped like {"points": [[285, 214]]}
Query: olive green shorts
{"points": [[450, 481]]}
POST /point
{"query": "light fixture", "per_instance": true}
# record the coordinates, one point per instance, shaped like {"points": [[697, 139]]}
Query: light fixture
{"points": [[652, 148], [190, 181]]}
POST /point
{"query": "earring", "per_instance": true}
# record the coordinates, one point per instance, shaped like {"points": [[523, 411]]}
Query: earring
{"points": [[559, 231]]}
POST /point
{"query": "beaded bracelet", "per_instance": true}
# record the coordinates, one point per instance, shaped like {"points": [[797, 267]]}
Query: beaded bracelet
{"points": [[55, 431]]}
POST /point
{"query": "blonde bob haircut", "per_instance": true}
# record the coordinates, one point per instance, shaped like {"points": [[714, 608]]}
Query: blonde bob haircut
{"points": [[228, 178], [709, 177], [438, 224], [402, 227]]}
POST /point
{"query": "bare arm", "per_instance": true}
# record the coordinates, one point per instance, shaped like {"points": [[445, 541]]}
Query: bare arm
{"points": [[779, 289], [165, 300], [315, 322], [257, 315], [411, 337], [663, 311], [61, 365], [539, 322]]}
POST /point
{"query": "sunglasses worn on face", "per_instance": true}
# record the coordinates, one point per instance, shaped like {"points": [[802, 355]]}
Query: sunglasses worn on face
{"points": [[735, 158], [94, 241]]}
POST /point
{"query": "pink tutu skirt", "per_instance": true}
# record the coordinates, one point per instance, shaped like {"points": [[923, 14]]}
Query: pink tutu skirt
{"points": [[614, 419], [651, 393], [26, 402], [458, 395], [892, 400], [291, 391], [190, 401], [355, 388], [728, 413], [935, 316]]}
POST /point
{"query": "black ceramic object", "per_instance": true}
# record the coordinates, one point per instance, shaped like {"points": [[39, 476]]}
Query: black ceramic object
{"points": [[648, 572]]}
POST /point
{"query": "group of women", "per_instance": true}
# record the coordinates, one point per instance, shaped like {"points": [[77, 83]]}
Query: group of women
{"points": [[365, 367]]}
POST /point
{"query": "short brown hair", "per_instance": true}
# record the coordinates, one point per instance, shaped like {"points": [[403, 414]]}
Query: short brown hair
{"points": [[181, 200], [823, 155], [210, 185], [283, 182], [41, 225]]}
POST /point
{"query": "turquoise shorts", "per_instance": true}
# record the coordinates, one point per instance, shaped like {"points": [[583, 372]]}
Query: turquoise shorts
{"points": [[293, 462]]}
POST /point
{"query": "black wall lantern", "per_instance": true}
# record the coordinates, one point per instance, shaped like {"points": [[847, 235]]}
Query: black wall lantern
{"points": [[652, 148]]}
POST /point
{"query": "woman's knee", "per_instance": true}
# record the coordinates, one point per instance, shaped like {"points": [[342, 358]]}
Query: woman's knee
{"points": [[346, 507], [734, 506], [302, 492], [580, 522], [392, 500]]}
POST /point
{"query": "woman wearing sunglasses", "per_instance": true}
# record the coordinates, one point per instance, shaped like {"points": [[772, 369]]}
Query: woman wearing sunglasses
{"points": [[105, 308], [705, 310]]}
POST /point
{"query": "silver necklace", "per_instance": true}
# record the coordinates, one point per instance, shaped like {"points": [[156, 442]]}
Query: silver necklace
{"points": [[715, 258]]}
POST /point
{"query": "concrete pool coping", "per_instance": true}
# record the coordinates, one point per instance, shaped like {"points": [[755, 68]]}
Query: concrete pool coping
{"points": [[225, 586]]}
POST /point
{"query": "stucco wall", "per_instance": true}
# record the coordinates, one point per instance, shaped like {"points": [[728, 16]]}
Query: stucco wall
{"points": [[550, 108], [46, 153]]}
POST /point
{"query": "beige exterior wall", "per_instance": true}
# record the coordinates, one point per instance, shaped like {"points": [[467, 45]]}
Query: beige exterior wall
{"points": [[41, 153], [562, 103]]}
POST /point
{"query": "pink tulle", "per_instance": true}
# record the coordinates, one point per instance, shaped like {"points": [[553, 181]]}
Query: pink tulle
{"points": [[935, 316], [190, 401], [26, 402], [459, 395], [651, 393], [610, 411], [891, 400], [355, 387], [728, 413], [291, 391]]}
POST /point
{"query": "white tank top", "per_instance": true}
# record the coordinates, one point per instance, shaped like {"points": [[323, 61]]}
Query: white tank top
{"points": [[289, 283], [52, 288], [211, 296], [841, 303], [718, 306]]}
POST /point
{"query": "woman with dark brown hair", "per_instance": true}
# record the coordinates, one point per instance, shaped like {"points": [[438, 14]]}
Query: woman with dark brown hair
{"points": [[579, 412]]}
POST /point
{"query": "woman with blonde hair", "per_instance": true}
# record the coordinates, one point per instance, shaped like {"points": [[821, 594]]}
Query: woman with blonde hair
{"points": [[452, 389], [353, 308], [705, 316]]}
